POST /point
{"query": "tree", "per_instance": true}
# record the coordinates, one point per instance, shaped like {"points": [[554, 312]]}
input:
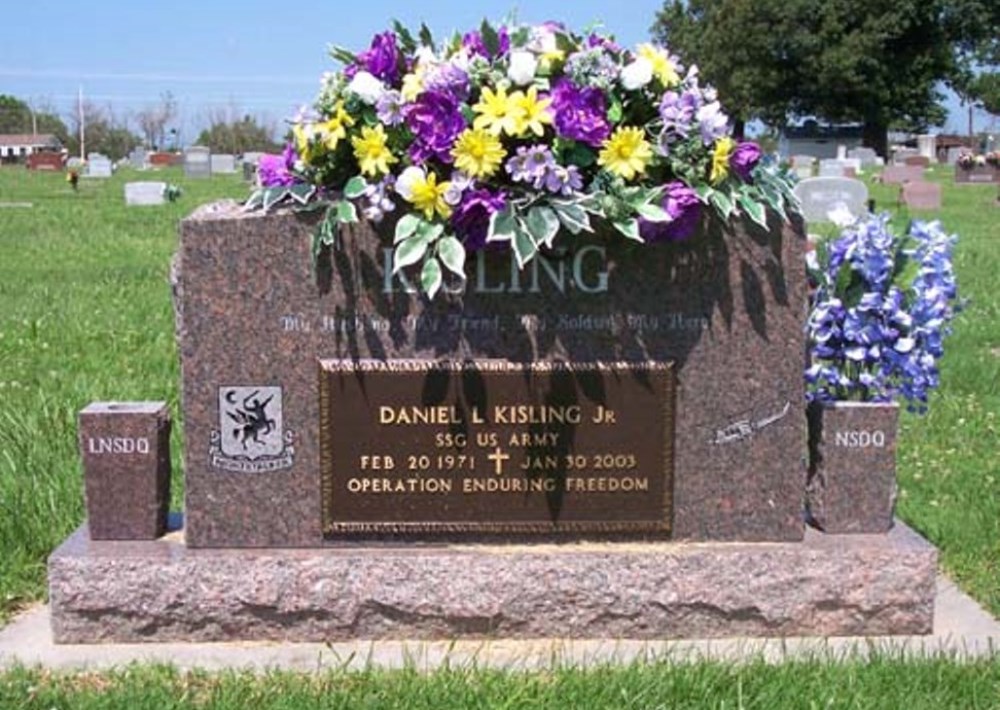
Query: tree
{"points": [[153, 120], [103, 132], [985, 90], [16, 116], [239, 136], [877, 62]]}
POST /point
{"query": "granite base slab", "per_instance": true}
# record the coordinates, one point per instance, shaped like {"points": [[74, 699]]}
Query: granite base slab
{"points": [[827, 585]]}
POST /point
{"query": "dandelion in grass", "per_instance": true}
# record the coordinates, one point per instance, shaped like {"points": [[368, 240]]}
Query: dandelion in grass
{"points": [[626, 153], [374, 156], [478, 153]]}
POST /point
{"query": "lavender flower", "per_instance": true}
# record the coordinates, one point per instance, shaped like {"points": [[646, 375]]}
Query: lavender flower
{"points": [[684, 208], [563, 180], [712, 122], [275, 170], [592, 67], [744, 159], [378, 199], [473, 42], [678, 111], [530, 164], [471, 218], [580, 114], [390, 108], [435, 120]]}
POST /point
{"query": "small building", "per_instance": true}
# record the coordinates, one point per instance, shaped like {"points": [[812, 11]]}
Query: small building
{"points": [[14, 148], [818, 140]]}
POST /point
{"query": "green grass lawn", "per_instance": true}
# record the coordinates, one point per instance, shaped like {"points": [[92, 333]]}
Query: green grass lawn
{"points": [[86, 315]]}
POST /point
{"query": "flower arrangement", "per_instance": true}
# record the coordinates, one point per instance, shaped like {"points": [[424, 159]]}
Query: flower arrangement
{"points": [[881, 310], [968, 161], [515, 136]]}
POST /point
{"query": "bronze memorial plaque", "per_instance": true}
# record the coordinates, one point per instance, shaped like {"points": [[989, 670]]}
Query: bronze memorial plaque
{"points": [[495, 447]]}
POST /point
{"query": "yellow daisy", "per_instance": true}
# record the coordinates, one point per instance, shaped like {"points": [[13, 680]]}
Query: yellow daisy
{"points": [[497, 112], [626, 153], [532, 114], [371, 150], [478, 153], [335, 128], [428, 196], [663, 68], [720, 159]]}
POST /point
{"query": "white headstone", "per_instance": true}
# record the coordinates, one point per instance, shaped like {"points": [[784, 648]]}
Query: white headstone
{"points": [[138, 159], [98, 166], [252, 157], [74, 164], [867, 156], [802, 166], [927, 147], [223, 164], [145, 193], [197, 162], [954, 152], [839, 167], [823, 199], [841, 152]]}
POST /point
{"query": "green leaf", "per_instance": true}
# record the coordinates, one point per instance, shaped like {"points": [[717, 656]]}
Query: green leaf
{"points": [[722, 204], [406, 227], [573, 217], [255, 201], [753, 209], [274, 195], [302, 193], [503, 224], [616, 111], [431, 277], [543, 225], [524, 245], [344, 56], [452, 254], [628, 227], [426, 38], [429, 231], [704, 193], [406, 41], [409, 252], [653, 213], [346, 212], [355, 187], [491, 40]]}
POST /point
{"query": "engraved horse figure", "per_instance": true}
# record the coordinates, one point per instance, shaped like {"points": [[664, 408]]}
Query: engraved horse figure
{"points": [[252, 419]]}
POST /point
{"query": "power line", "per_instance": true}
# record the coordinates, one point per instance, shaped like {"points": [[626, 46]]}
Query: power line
{"points": [[194, 78]]}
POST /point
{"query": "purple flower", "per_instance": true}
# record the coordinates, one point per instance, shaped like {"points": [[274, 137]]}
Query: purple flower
{"points": [[744, 159], [435, 120], [563, 181], [473, 42], [596, 40], [580, 114], [448, 78], [471, 218], [390, 108], [275, 170], [381, 59], [684, 208]]}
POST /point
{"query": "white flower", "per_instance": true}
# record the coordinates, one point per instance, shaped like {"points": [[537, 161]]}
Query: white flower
{"points": [[637, 74], [523, 66], [425, 55], [407, 179], [367, 87]]}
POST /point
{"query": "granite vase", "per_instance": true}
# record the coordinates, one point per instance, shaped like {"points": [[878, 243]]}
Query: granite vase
{"points": [[851, 487]]}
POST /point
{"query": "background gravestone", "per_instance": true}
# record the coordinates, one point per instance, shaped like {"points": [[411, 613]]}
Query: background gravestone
{"points": [[197, 162], [802, 165], [138, 159], [98, 166], [223, 164], [822, 196], [868, 157], [898, 174], [145, 193], [921, 195]]}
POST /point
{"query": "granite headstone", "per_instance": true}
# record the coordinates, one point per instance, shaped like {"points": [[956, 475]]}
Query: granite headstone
{"points": [[145, 193], [223, 164]]}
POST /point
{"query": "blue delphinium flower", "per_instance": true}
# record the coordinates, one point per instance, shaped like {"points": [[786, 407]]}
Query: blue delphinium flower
{"points": [[881, 310]]}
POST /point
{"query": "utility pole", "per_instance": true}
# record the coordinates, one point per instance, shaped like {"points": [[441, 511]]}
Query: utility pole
{"points": [[79, 108]]}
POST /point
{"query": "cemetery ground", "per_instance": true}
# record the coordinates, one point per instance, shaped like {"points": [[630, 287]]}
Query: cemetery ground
{"points": [[86, 316]]}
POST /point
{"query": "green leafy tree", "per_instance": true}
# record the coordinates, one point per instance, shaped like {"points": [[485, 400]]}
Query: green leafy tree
{"points": [[16, 117], [985, 89], [240, 136], [877, 62], [103, 132]]}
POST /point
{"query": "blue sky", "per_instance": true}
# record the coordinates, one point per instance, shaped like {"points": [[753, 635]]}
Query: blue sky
{"points": [[258, 57]]}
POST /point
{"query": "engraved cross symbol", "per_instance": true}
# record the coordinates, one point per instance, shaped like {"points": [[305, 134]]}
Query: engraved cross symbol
{"points": [[498, 457]]}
